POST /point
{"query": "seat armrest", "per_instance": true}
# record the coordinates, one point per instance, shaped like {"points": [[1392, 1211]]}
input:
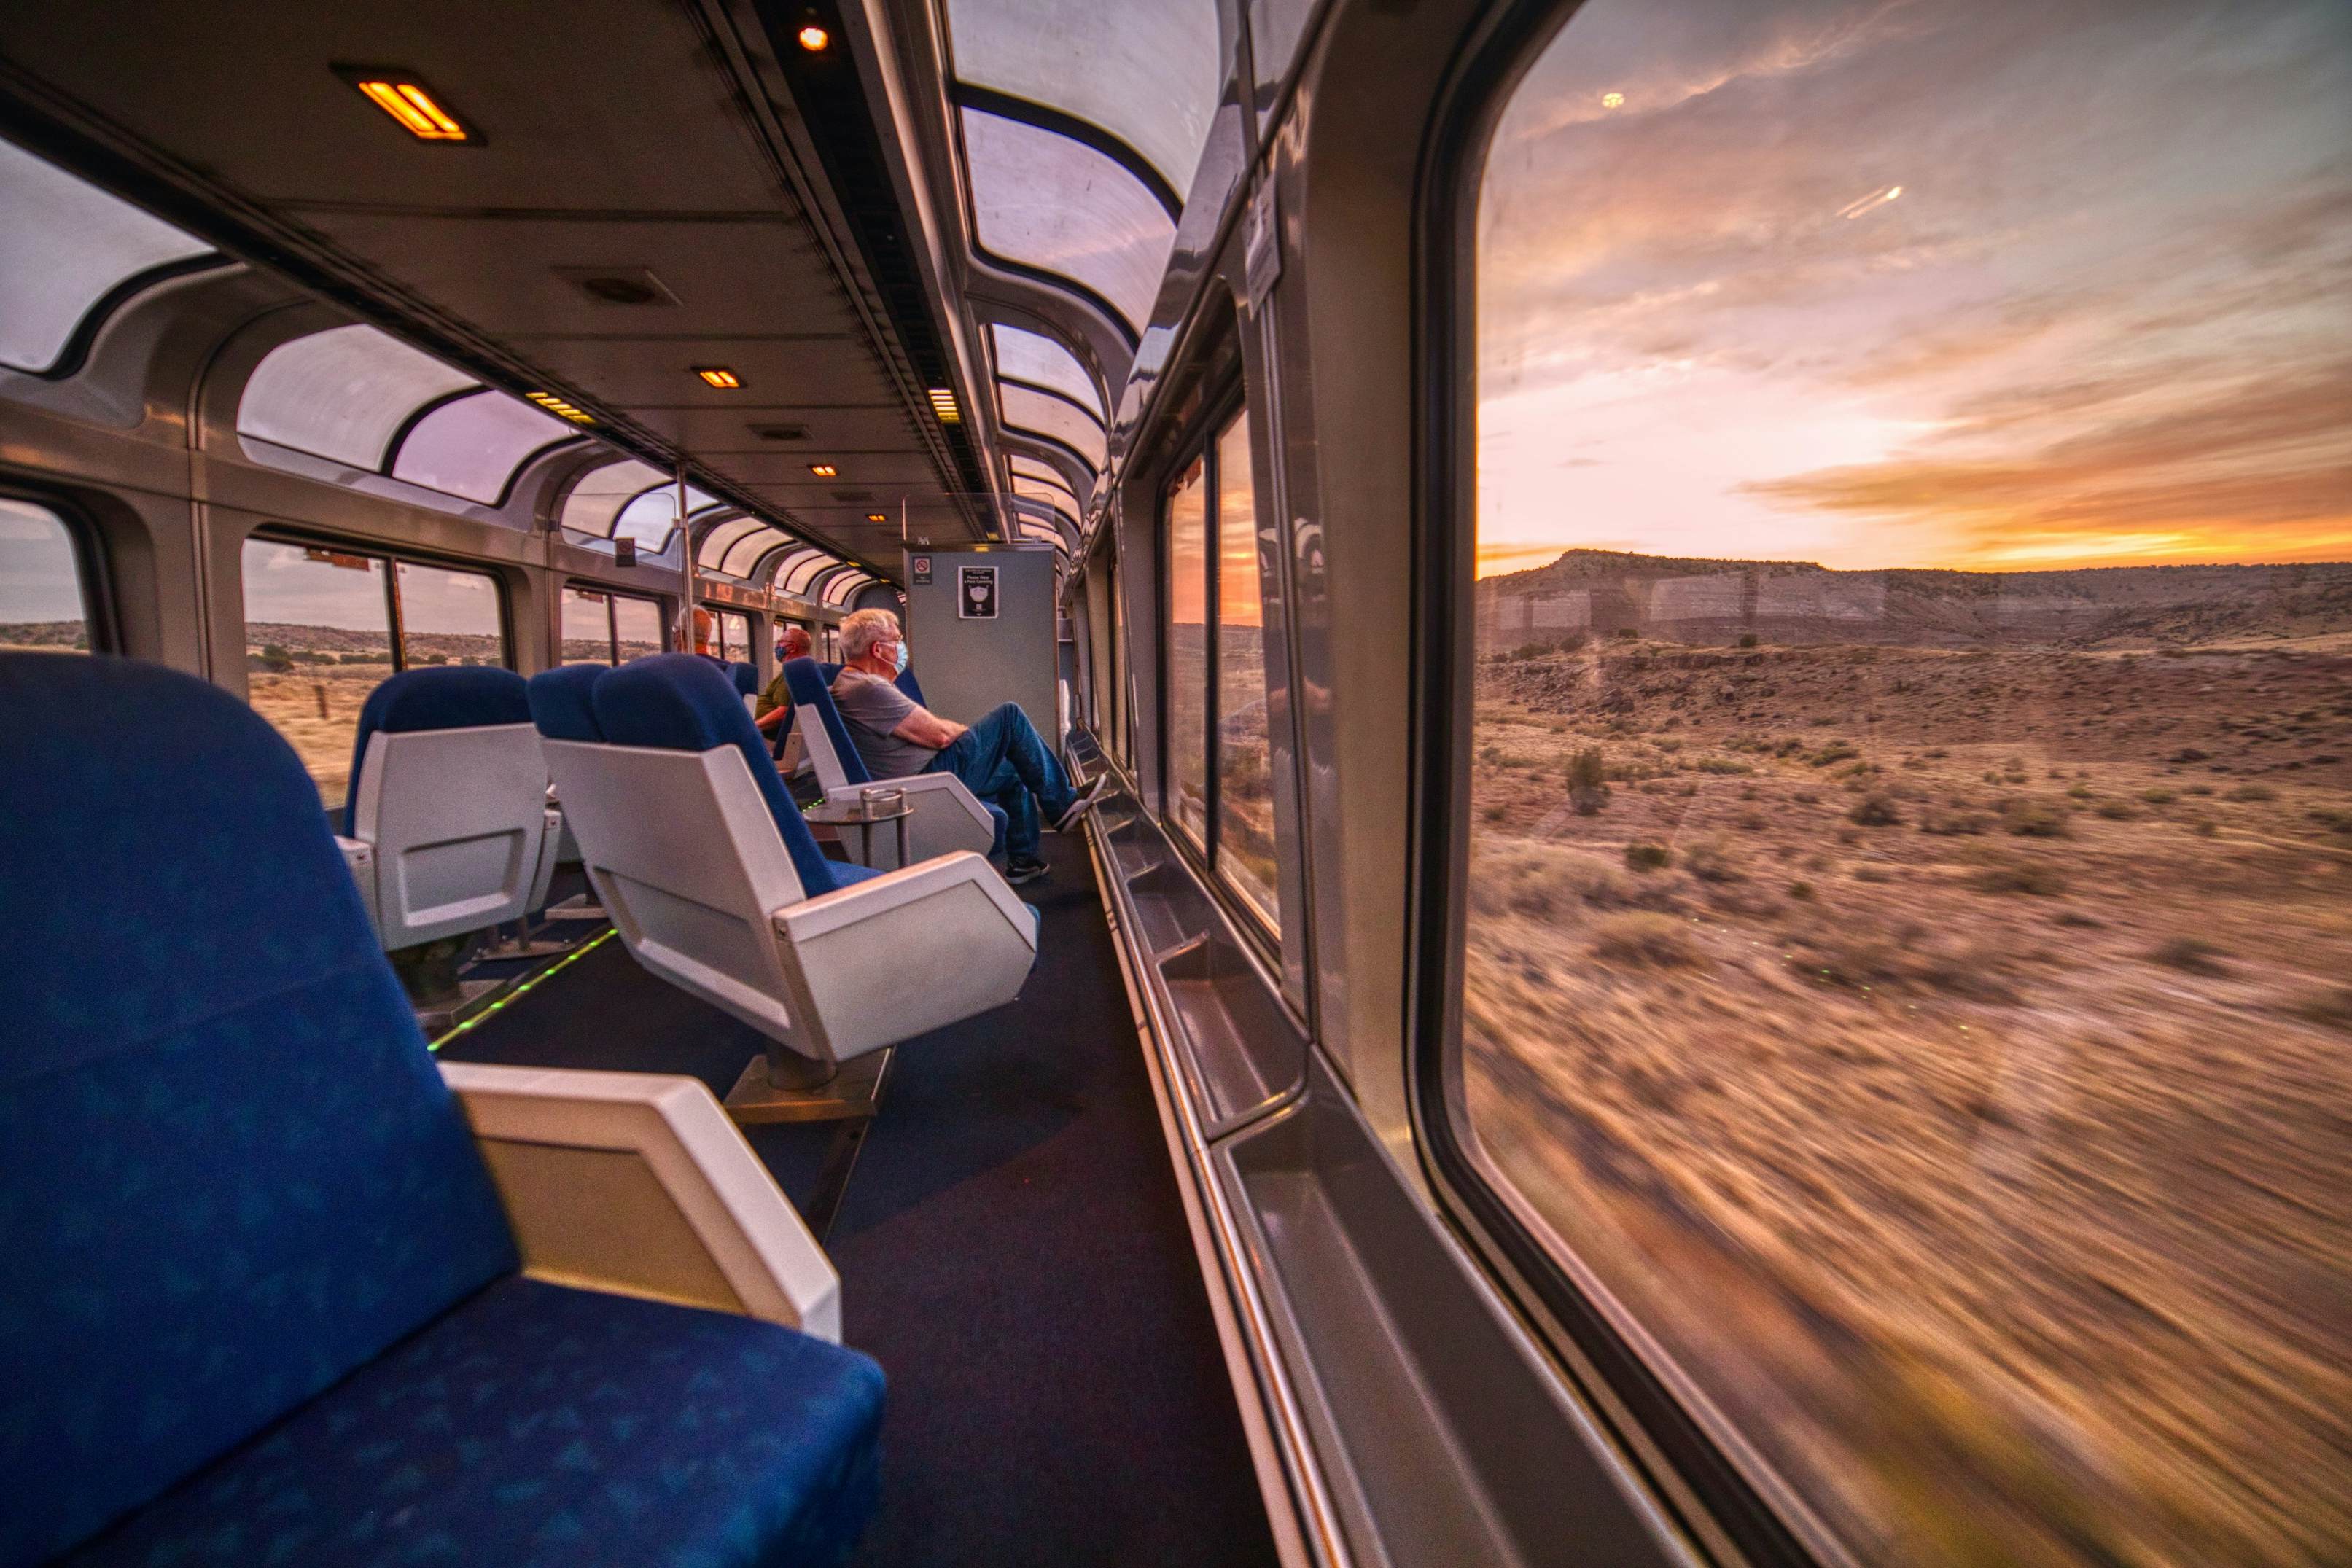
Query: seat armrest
{"points": [[550, 842], [860, 901], [637, 1184], [359, 859]]}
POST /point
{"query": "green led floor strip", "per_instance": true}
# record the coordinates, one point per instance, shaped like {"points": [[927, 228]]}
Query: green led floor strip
{"points": [[525, 989]]}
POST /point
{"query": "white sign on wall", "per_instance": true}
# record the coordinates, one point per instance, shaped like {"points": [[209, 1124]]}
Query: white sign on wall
{"points": [[976, 593]]}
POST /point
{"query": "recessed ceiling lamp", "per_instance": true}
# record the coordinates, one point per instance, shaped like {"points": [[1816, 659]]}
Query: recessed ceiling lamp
{"points": [[720, 376], [414, 107], [823, 470], [816, 39], [877, 517], [943, 403], [557, 406]]}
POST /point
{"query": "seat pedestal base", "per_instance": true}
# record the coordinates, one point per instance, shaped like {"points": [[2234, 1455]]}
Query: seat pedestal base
{"points": [[852, 1091], [472, 996]]}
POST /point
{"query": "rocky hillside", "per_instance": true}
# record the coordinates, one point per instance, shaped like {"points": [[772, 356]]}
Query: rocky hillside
{"points": [[1606, 592]]}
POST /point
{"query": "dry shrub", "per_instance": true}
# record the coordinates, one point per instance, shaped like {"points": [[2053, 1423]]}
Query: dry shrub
{"points": [[2159, 797], [2330, 1010], [1954, 824], [1647, 857], [2031, 818], [1713, 859], [2254, 792], [2189, 956], [2017, 874], [2117, 811], [1645, 938], [1875, 810]]}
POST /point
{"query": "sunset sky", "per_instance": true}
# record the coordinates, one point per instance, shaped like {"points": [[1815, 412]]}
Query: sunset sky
{"points": [[2106, 320]]}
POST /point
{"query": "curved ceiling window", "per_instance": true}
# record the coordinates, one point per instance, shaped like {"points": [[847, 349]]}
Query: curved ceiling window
{"points": [[628, 500], [473, 446], [66, 248], [1055, 418], [1144, 70], [1039, 361], [1042, 200], [841, 585], [796, 573], [734, 546], [342, 394], [1052, 497]]}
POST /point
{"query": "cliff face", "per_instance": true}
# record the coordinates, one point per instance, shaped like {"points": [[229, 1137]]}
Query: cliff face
{"points": [[1604, 592]]}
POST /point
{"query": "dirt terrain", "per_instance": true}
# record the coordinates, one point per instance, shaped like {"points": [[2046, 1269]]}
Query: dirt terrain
{"points": [[1946, 1052]]}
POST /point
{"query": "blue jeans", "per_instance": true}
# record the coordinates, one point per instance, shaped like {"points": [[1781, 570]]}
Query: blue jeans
{"points": [[1002, 759]]}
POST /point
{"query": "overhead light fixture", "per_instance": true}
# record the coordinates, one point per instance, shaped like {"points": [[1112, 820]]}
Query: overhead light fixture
{"points": [[877, 518], [823, 470], [816, 39], [720, 376], [943, 403], [414, 107], [563, 410]]}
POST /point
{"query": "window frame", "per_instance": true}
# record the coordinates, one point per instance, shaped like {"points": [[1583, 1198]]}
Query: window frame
{"points": [[1695, 1467], [612, 622], [1198, 445], [303, 538], [91, 575]]}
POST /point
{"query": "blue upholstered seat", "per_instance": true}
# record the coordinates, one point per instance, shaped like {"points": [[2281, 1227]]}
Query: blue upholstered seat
{"points": [[907, 683], [746, 678], [539, 1425], [563, 702], [439, 696], [231, 1179], [791, 708], [678, 703], [812, 686]]}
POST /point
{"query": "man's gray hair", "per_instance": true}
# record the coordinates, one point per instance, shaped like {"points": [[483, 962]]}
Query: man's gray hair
{"points": [[863, 629]]}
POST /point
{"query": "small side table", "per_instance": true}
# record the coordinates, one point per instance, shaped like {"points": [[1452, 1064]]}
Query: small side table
{"points": [[865, 812]]}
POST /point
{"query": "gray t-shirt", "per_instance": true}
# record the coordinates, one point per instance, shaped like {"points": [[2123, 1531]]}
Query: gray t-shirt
{"points": [[872, 707]]}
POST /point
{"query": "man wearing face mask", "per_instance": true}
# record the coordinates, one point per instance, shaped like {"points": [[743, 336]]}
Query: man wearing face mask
{"points": [[1001, 757]]}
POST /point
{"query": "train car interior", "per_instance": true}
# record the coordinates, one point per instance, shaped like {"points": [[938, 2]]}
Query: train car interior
{"points": [[1327, 783]]}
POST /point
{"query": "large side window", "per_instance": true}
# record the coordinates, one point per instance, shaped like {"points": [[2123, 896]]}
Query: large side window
{"points": [[1220, 786], [637, 627], [318, 639], [1122, 746], [601, 628], [1245, 776], [324, 626], [1904, 983], [43, 603], [1187, 652]]}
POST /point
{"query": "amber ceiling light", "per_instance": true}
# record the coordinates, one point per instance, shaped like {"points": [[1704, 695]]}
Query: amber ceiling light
{"points": [[877, 517], [413, 106], [556, 405], [720, 376], [816, 39], [943, 403], [823, 470]]}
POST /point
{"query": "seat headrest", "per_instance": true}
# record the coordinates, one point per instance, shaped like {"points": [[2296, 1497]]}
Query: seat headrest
{"points": [[563, 702], [680, 702], [440, 696], [810, 687], [747, 678], [911, 686], [222, 1139]]}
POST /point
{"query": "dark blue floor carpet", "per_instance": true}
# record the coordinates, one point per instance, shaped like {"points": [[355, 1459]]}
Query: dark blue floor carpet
{"points": [[1013, 1249]]}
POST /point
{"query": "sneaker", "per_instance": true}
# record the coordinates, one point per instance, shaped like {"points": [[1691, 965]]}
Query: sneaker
{"points": [[1018, 872], [1088, 798]]}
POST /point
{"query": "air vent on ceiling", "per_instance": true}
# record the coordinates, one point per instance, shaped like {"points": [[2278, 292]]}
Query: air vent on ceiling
{"points": [[781, 432], [617, 285], [853, 494]]}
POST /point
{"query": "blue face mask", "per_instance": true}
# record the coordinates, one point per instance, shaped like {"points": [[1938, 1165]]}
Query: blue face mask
{"points": [[902, 657]]}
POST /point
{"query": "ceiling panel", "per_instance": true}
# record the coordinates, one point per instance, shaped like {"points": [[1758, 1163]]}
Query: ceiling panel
{"points": [[633, 372]]}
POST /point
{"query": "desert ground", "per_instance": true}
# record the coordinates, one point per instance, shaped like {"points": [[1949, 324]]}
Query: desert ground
{"points": [[1945, 1054]]}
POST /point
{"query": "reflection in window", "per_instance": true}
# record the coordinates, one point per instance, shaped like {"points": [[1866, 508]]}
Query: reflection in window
{"points": [[1245, 772], [66, 247], [318, 640], [449, 617], [1038, 360], [1055, 418], [1187, 652], [734, 637], [42, 605], [1119, 741], [1042, 200], [1905, 958]]}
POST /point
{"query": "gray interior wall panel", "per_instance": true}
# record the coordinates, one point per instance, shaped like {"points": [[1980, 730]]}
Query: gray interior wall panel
{"points": [[967, 667]]}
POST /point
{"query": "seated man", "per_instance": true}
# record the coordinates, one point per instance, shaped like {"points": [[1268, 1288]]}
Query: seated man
{"points": [[776, 702], [705, 638], [1001, 757]]}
